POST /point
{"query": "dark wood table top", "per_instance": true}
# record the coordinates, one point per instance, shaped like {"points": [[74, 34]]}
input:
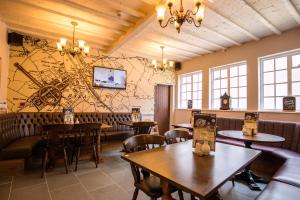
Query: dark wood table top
{"points": [[130, 123], [201, 176], [183, 125], [259, 137]]}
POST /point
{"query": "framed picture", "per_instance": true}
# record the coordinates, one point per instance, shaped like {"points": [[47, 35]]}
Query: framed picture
{"points": [[289, 103]]}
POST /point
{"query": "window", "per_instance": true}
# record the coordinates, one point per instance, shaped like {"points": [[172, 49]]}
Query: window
{"points": [[190, 87], [279, 77], [231, 79]]}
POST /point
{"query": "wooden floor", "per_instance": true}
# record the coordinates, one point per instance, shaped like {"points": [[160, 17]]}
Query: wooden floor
{"points": [[112, 180]]}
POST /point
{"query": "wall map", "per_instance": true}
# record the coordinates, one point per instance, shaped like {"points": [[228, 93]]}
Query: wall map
{"points": [[43, 80]]}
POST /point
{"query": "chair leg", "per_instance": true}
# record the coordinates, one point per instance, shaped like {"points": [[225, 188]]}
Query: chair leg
{"points": [[135, 194], [66, 160], [193, 197], [233, 182], [180, 194], [95, 156], [44, 163], [77, 158]]}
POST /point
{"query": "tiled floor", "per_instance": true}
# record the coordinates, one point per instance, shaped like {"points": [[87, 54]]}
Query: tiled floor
{"points": [[112, 180]]}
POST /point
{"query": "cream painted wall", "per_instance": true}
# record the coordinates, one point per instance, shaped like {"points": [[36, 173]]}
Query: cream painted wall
{"points": [[248, 52], [4, 57]]}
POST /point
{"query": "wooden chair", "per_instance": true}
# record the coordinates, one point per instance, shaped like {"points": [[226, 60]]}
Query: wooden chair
{"points": [[143, 180], [86, 136], [142, 127], [173, 136], [56, 139]]}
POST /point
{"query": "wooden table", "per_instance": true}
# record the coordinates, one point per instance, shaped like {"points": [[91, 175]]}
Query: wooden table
{"points": [[200, 176], [130, 123], [247, 175], [184, 125]]}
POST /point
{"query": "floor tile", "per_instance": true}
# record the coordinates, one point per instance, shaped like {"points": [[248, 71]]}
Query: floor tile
{"points": [[4, 191], [27, 180], [5, 179], [95, 180], [73, 192], [124, 178], [36, 192], [59, 180], [111, 192]]}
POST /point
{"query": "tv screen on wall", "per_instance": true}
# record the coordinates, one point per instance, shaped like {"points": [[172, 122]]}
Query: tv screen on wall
{"points": [[104, 77]]}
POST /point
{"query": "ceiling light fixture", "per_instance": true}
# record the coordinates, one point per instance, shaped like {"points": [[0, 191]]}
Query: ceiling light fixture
{"points": [[72, 49], [163, 64], [178, 17]]}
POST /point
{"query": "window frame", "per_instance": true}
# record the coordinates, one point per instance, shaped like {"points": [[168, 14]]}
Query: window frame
{"points": [[200, 90], [290, 67], [228, 67]]}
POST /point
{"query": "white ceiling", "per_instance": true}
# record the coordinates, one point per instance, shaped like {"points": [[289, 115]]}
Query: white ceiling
{"points": [[137, 32]]}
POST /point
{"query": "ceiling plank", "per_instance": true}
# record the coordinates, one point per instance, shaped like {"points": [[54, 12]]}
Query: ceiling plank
{"points": [[145, 54], [262, 19], [121, 7], [292, 10], [74, 16], [230, 22]]}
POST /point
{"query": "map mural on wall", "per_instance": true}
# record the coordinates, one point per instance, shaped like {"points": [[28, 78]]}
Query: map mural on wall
{"points": [[43, 80]]}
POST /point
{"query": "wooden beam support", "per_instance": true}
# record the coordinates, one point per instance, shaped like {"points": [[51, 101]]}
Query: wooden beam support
{"points": [[262, 19], [292, 10], [241, 29]]}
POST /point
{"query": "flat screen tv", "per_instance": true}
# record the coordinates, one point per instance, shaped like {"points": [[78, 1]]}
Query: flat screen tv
{"points": [[104, 77]]}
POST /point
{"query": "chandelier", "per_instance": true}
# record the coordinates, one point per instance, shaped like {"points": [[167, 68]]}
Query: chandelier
{"points": [[178, 17], [164, 63], [72, 49]]}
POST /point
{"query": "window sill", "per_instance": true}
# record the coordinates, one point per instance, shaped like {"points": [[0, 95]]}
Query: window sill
{"points": [[262, 111]]}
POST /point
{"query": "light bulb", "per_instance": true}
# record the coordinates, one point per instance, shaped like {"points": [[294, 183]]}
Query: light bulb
{"points": [[177, 25], [59, 46], [160, 10], [81, 44], [63, 42], [86, 49], [200, 13], [164, 61], [154, 62], [171, 63]]}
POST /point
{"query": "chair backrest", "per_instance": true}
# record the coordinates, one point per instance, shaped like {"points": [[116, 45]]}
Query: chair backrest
{"points": [[55, 132], [142, 127], [173, 136]]}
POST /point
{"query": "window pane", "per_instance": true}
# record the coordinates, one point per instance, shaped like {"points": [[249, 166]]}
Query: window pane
{"points": [[223, 73], [269, 103], [281, 63], [216, 103], [216, 74], [224, 83], [195, 103], [279, 103], [296, 74], [183, 96], [298, 103], [183, 88], [296, 60], [195, 86], [195, 95], [281, 76], [234, 103], [196, 78], [199, 104], [233, 71], [217, 93], [189, 95], [281, 90], [296, 88], [223, 91], [268, 65], [189, 79], [200, 86], [234, 92], [243, 103], [183, 80], [189, 87], [268, 77], [242, 81], [234, 82], [243, 92], [242, 70], [216, 84], [269, 90], [199, 95], [183, 104]]}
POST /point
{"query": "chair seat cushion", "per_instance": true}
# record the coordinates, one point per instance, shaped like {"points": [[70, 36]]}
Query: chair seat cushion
{"points": [[289, 173], [286, 153], [278, 191], [20, 148]]}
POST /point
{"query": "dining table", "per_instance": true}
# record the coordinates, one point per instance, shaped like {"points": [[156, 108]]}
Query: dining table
{"points": [[184, 125], [201, 176]]}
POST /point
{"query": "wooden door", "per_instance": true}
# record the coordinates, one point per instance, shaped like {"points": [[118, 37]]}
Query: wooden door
{"points": [[162, 107]]}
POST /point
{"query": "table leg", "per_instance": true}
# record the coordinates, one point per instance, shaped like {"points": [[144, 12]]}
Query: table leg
{"points": [[166, 190]]}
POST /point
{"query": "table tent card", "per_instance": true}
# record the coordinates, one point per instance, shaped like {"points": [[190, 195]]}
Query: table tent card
{"points": [[250, 123], [68, 115], [3, 107], [205, 129], [136, 115], [194, 111]]}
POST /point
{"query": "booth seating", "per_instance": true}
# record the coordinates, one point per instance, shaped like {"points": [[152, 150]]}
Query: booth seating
{"points": [[282, 159], [20, 132]]}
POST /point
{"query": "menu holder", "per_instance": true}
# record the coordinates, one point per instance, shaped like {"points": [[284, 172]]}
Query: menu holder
{"points": [[68, 115], [205, 130], [136, 115], [250, 123], [289, 103]]}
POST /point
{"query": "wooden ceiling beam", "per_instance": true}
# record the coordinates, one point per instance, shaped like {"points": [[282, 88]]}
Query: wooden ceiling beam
{"points": [[121, 7], [292, 10], [262, 19], [233, 24], [74, 17]]}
